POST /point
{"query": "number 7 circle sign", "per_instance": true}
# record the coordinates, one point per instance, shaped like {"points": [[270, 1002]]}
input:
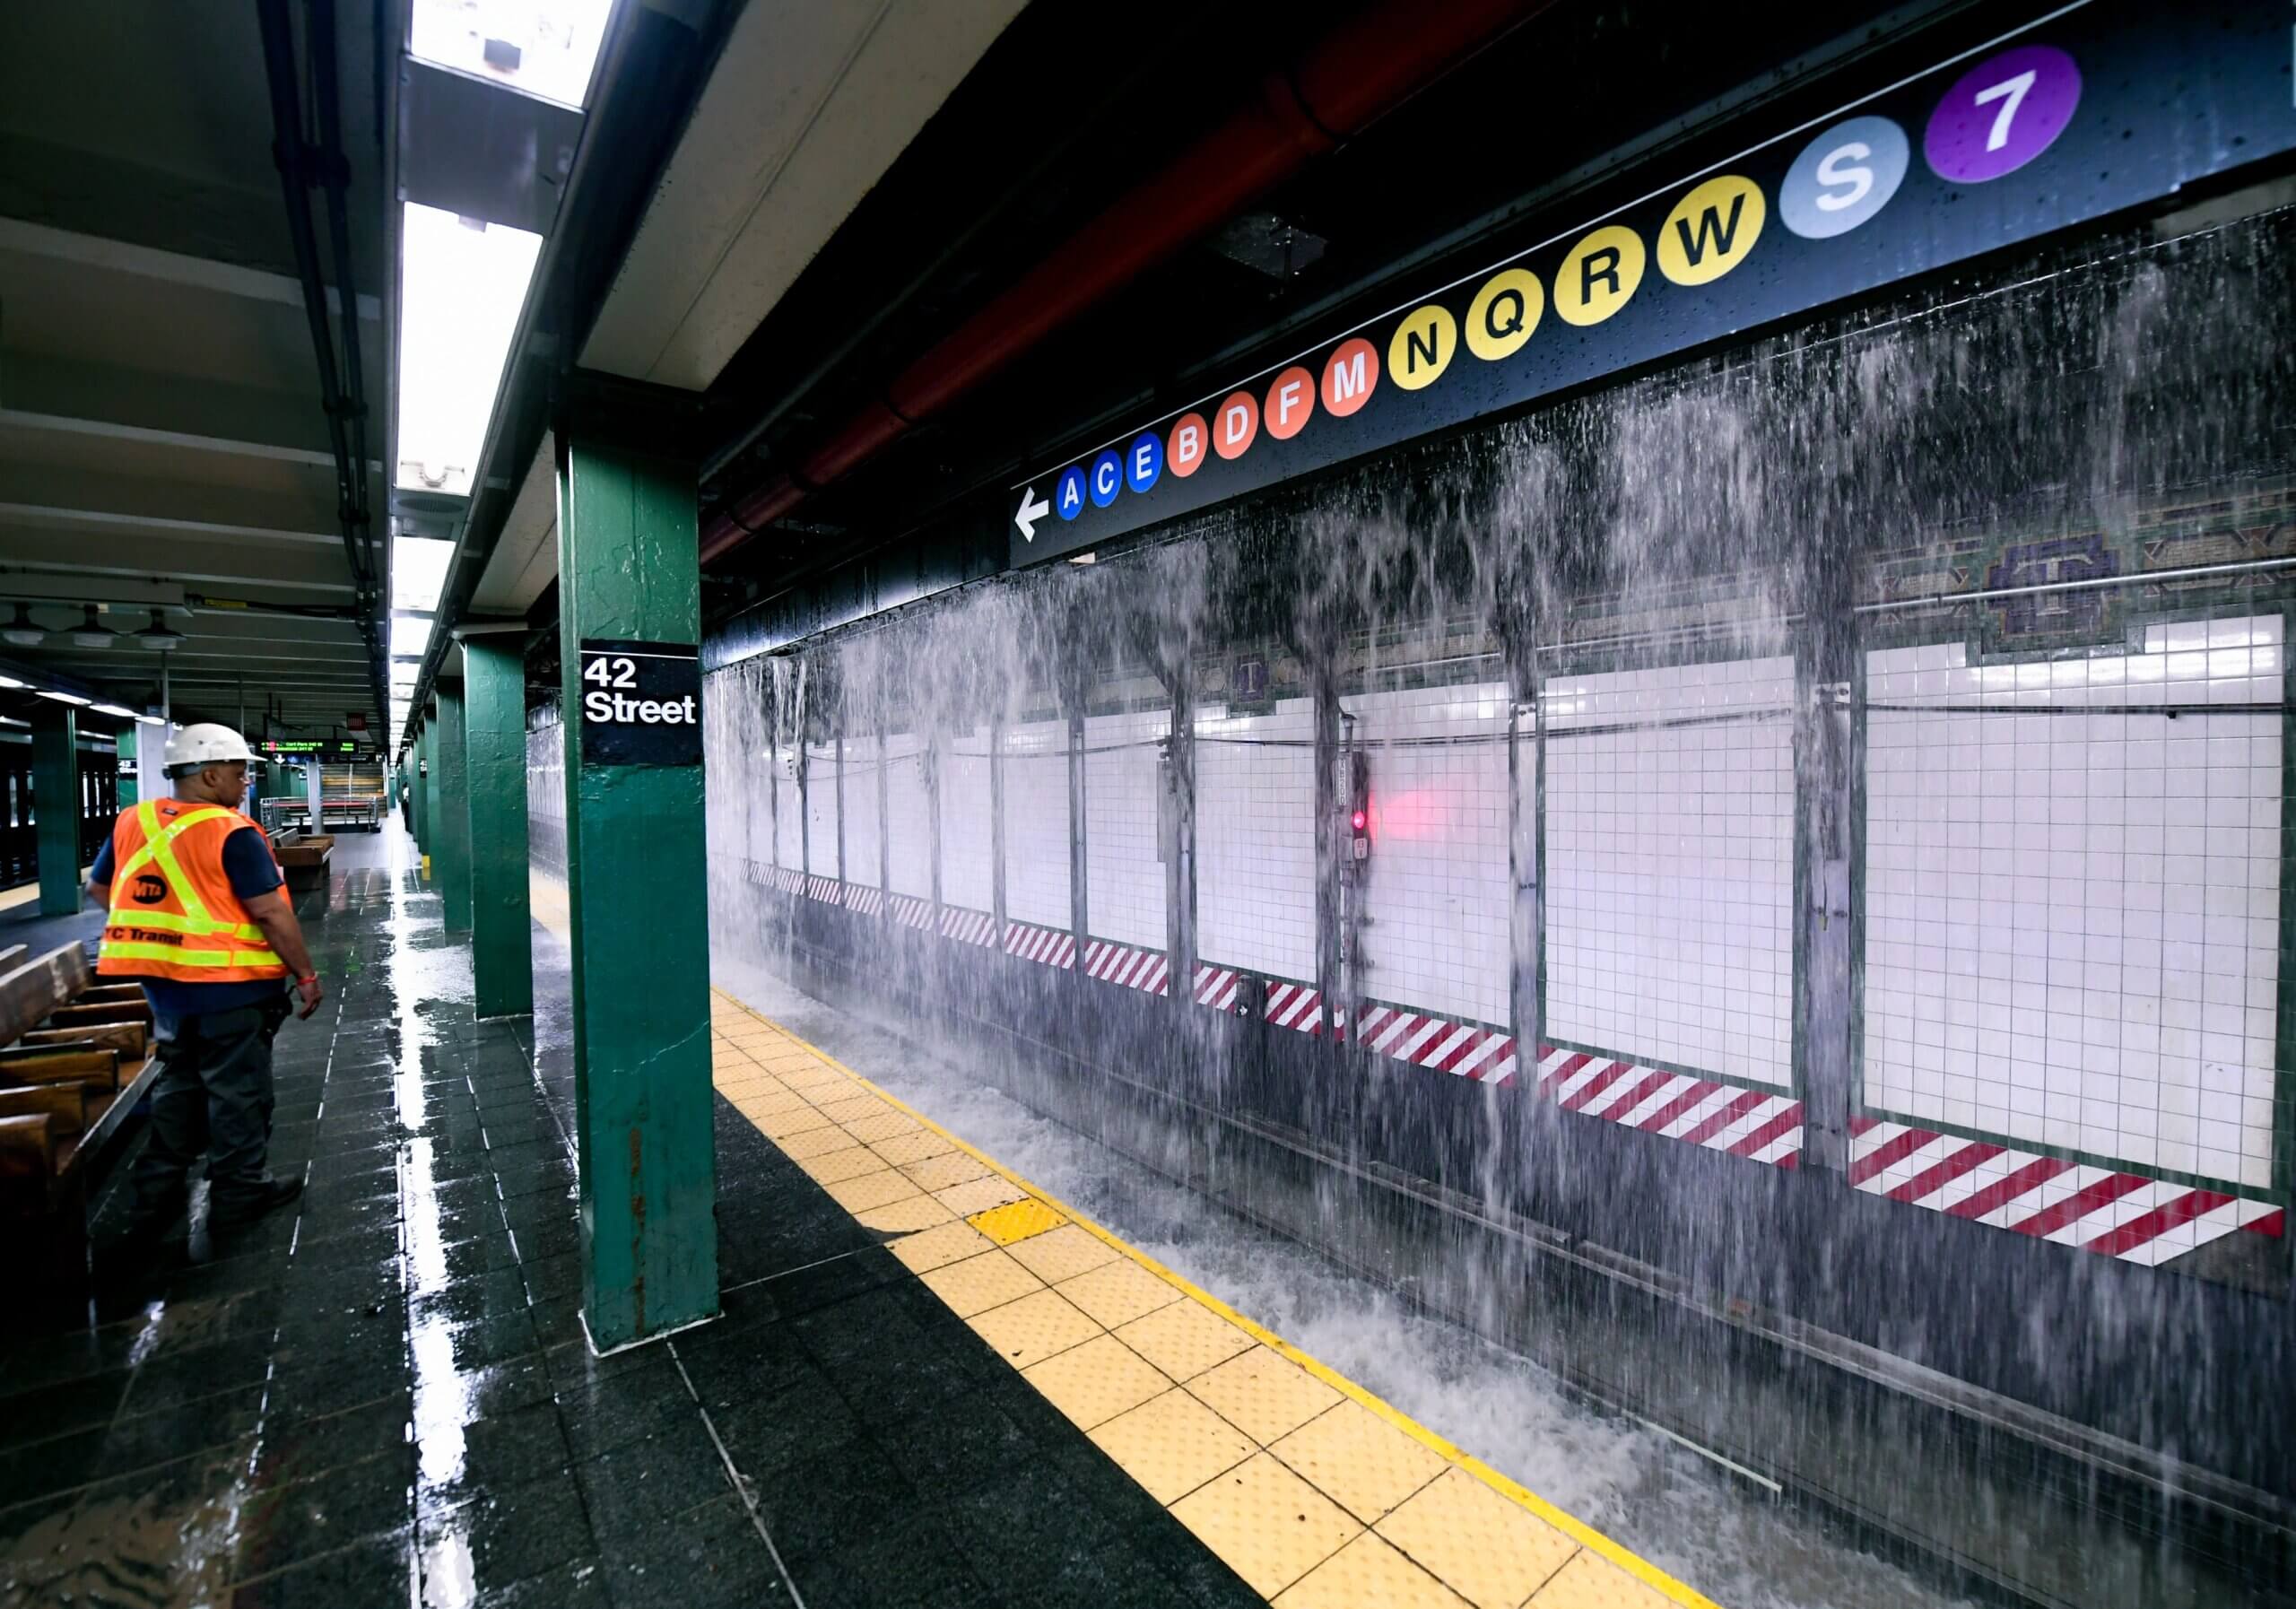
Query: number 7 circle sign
{"points": [[2001, 114]]}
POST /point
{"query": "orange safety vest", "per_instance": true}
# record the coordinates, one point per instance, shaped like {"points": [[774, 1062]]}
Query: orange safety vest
{"points": [[173, 913]]}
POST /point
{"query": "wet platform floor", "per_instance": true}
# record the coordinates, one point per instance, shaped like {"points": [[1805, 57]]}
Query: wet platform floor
{"points": [[1316, 1493], [384, 1395]]}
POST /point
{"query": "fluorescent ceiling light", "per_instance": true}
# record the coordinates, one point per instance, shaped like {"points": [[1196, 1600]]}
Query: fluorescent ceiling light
{"points": [[409, 635], [461, 285], [418, 570], [11, 682], [61, 697], [546, 47]]}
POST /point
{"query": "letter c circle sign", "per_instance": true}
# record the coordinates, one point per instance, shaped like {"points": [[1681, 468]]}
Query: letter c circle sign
{"points": [[1107, 478]]}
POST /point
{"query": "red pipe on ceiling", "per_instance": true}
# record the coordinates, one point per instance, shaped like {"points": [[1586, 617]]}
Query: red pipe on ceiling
{"points": [[1372, 65]]}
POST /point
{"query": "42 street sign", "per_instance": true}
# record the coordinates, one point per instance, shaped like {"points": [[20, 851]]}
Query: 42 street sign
{"points": [[642, 703]]}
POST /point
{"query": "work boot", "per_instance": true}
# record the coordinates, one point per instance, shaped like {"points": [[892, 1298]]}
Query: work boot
{"points": [[242, 1211]]}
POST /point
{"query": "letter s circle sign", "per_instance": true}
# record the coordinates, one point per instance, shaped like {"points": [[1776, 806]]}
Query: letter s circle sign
{"points": [[642, 703]]}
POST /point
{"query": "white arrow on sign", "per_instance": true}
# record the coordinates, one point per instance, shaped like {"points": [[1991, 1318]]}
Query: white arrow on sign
{"points": [[1031, 511]]}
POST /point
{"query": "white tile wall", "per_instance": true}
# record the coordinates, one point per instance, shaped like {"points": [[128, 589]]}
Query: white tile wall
{"points": [[2073, 921], [861, 866], [784, 825], [1124, 879], [1669, 867], [1436, 887], [546, 794], [968, 873], [1036, 824], [1255, 851], [907, 823], [820, 810]]}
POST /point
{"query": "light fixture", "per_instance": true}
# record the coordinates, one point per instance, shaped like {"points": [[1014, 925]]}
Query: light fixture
{"points": [[23, 631], [92, 633], [124, 713], [418, 570], [462, 283], [10, 682], [546, 47], [61, 697], [157, 636], [409, 635]]}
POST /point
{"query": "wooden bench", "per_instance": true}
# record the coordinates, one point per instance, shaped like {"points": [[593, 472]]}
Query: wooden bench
{"points": [[75, 1056], [303, 857]]}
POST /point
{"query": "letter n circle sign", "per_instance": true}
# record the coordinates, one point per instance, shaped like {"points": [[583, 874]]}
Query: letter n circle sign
{"points": [[642, 703]]}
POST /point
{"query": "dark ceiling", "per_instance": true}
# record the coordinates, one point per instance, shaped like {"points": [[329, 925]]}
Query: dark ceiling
{"points": [[1076, 103]]}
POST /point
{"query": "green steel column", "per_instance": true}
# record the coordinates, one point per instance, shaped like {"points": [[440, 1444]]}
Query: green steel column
{"points": [[637, 885], [494, 713], [418, 792], [431, 790], [450, 859], [55, 801]]}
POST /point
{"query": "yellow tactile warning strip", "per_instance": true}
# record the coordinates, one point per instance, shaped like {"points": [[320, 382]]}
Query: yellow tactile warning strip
{"points": [[1315, 1491]]}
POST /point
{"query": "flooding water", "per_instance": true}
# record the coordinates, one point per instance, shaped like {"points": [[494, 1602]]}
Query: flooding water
{"points": [[1608, 689], [1719, 1534]]}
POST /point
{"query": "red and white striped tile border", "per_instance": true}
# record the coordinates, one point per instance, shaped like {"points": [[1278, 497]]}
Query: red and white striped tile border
{"points": [[1485, 1055], [1760, 1124], [2124, 1215], [1133, 968], [2127, 1215], [968, 926], [1049, 945]]}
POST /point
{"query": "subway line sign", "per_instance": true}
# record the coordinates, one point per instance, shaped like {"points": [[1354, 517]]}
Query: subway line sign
{"points": [[2095, 107]]}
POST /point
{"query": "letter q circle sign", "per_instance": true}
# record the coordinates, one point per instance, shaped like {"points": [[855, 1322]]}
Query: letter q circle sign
{"points": [[642, 703]]}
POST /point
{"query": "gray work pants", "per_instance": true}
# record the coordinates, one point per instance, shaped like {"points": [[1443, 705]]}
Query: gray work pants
{"points": [[214, 1097]]}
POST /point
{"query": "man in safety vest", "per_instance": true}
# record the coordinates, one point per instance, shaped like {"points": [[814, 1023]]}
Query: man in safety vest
{"points": [[197, 916]]}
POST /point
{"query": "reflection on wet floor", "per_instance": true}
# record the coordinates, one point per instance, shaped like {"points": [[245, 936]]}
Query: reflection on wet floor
{"points": [[386, 1396], [368, 1396]]}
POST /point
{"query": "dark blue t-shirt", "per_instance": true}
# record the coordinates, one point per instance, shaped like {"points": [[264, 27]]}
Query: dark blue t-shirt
{"points": [[247, 863]]}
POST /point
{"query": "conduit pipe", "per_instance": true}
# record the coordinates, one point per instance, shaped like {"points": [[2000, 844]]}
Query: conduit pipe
{"points": [[1370, 65], [292, 153]]}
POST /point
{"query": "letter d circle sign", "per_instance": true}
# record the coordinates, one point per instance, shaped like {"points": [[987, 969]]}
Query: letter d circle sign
{"points": [[642, 703]]}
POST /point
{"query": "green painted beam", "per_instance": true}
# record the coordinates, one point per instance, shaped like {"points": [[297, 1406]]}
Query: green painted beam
{"points": [[638, 891], [494, 716], [450, 857], [55, 800]]}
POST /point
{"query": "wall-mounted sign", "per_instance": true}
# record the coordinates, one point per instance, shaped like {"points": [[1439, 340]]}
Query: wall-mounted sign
{"points": [[300, 746], [642, 703], [2095, 108]]}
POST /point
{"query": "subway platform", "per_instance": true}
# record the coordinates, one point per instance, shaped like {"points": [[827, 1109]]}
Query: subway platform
{"points": [[929, 1384]]}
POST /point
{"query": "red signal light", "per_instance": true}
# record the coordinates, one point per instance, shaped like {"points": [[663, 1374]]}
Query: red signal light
{"points": [[1360, 820]]}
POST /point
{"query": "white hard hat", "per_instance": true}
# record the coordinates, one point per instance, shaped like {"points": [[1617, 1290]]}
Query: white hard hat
{"points": [[205, 742]]}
